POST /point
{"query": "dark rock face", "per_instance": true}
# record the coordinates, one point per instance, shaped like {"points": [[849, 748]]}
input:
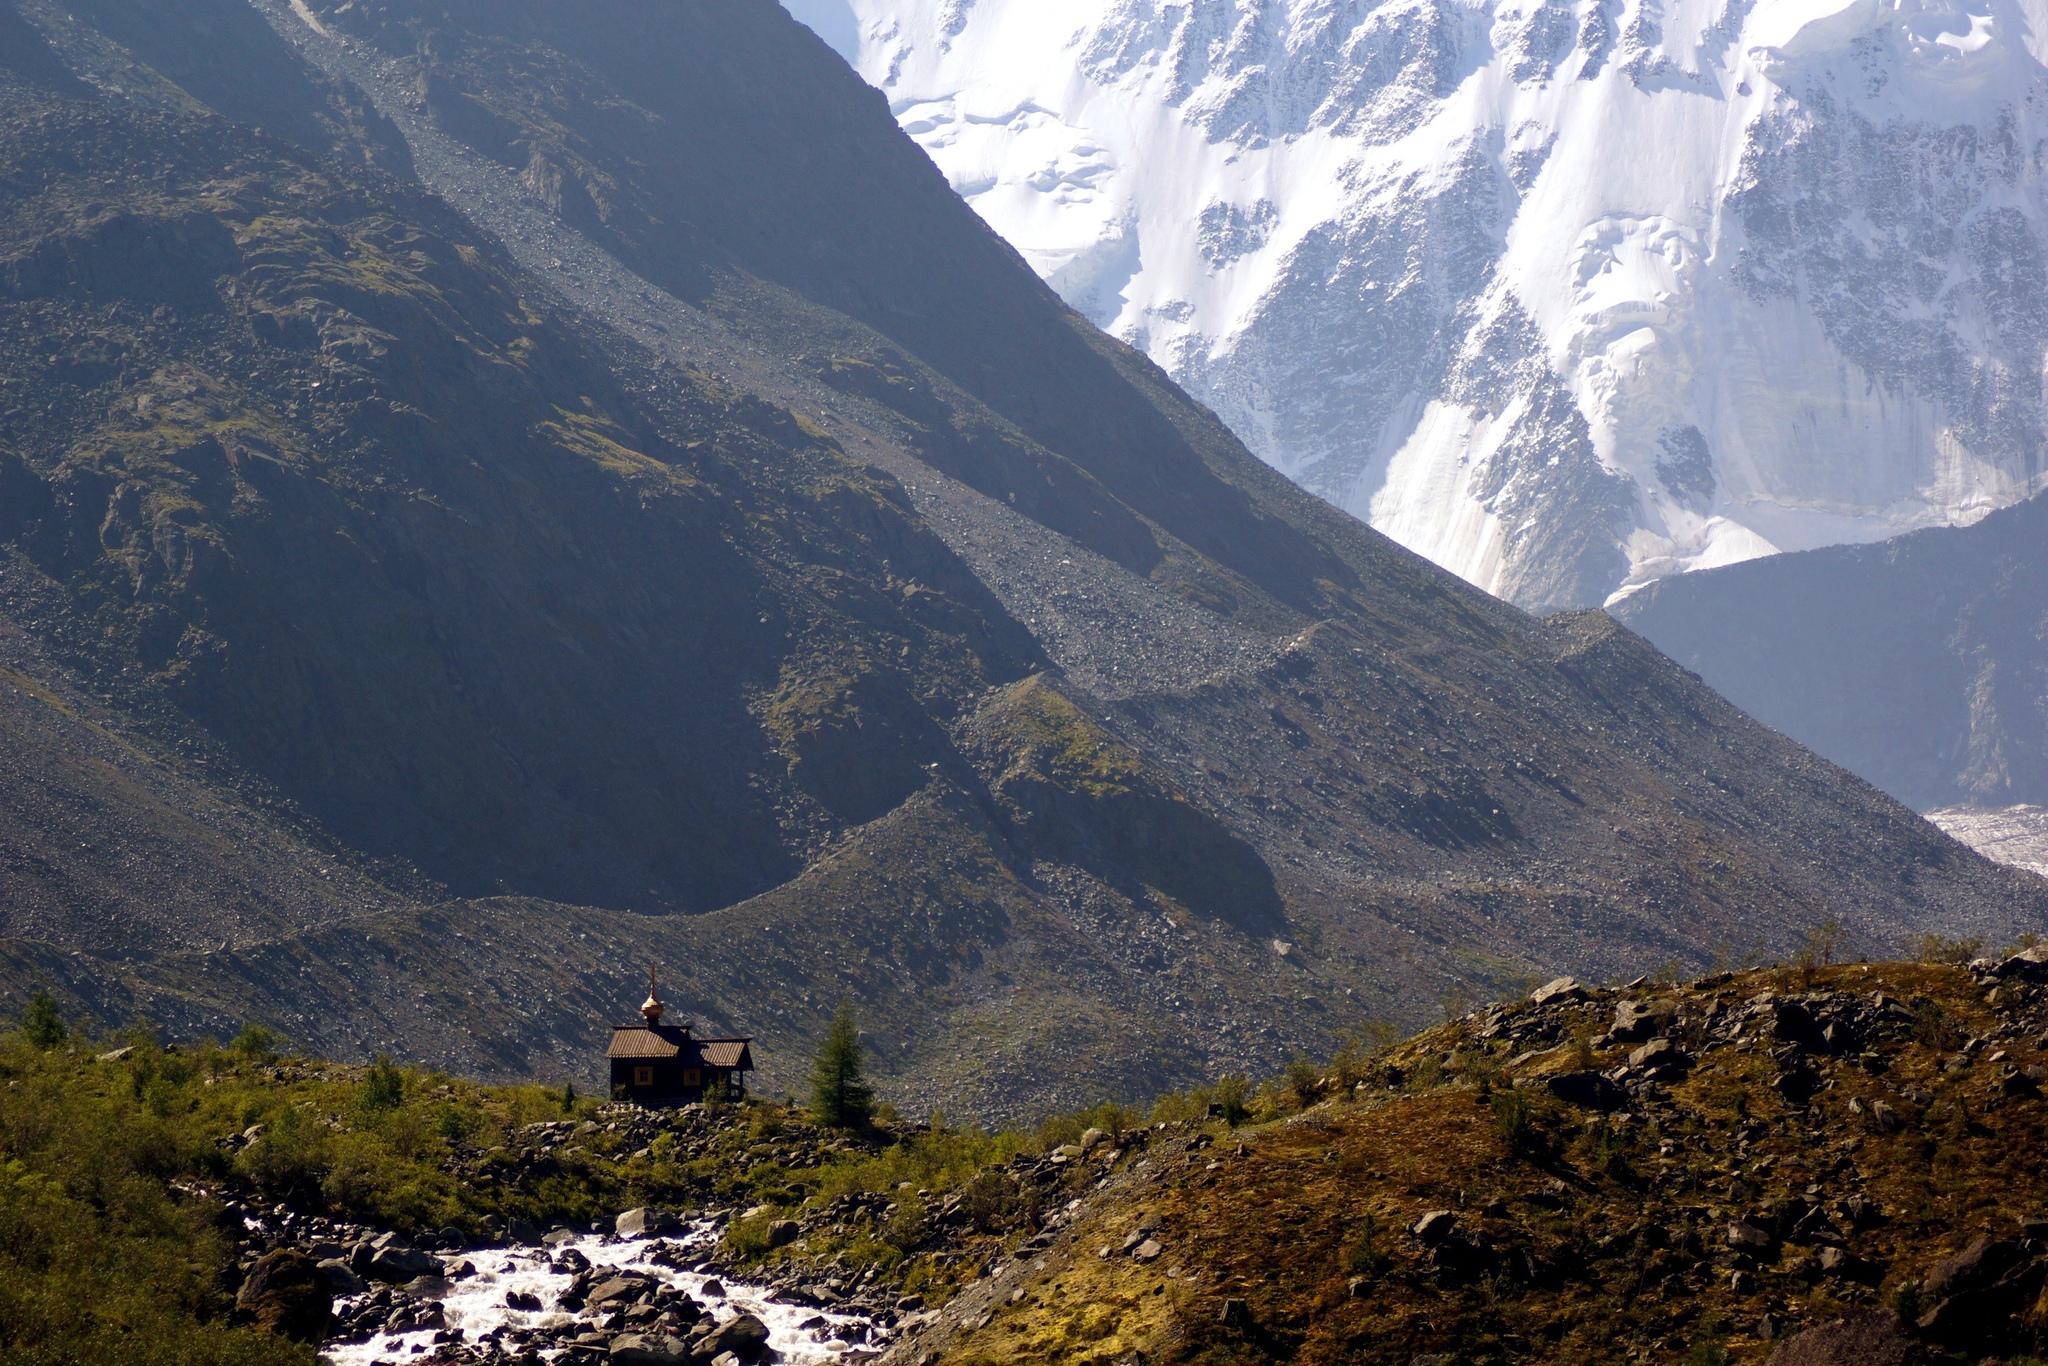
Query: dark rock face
{"points": [[287, 1294]]}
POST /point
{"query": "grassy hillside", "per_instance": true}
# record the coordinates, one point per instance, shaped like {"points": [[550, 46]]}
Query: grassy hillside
{"points": [[1802, 1145]]}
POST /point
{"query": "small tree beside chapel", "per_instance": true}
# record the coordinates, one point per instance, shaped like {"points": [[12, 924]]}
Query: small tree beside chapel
{"points": [[840, 1095]]}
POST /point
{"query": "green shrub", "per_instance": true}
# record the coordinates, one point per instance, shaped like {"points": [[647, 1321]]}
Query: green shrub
{"points": [[383, 1086], [1515, 1120], [1231, 1093], [1362, 1255], [908, 1225], [1304, 1082], [254, 1042]]}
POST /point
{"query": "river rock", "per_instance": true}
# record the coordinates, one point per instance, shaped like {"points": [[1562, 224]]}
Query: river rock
{"points": [[287, 1294], [395, 1261], [341, 1277], [746, 1337], [649, 1349], [643, 1222], [618, 1289]]}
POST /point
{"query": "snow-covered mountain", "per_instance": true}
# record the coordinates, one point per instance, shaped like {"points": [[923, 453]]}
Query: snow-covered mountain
{"points": [[1564, 294]]}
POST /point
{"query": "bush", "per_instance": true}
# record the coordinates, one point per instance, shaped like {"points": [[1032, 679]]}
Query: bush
{"points": [[254, 1042], [1230, 1095], [993, 1201], [908, 1225], [1515, 1120], [1932, 948], [1362, 1255], [383, 1087], [1304, 1082]]}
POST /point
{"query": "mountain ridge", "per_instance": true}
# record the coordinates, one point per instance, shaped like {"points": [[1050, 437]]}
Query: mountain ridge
{"points": [[583, 622]]}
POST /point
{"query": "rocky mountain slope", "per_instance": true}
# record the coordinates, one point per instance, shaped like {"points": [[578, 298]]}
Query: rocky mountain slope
{"points": [[1564, 297], [1822, 1168], [1918, 663], [512, 492]]}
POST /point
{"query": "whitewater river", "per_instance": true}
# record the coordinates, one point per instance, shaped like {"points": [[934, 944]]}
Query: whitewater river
{"points": [[476, 1304]]}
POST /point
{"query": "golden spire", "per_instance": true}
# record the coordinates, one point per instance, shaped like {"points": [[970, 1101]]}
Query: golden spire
{"points": [[651, 1007]]}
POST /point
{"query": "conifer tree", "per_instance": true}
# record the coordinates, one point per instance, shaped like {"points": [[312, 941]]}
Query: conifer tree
{"points": [[840, 1095], [41, 1024]]}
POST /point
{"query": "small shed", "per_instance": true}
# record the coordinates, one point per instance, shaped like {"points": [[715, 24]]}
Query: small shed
{"points": [[655, 1063]]}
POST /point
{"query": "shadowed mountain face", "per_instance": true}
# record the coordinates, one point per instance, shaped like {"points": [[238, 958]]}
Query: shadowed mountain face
{"points": [[580, 490], [1920, 663]]}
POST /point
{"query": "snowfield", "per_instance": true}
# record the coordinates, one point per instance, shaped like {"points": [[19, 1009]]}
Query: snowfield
{"points": [[1565, 296]]}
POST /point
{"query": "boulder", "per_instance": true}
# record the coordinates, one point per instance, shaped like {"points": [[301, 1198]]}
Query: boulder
{"points": [[1588, 1090], [746, 1337], [429, 1288], [1745, 1236], [643, 1223], [1862, 1337], [648, 1349], [286, 1293], [391, 1260], [783, 1232], [617, 1290], [1794, 1024], [1844, 1265], [341, 1277], [1147, 1251], [1558, 990], [1972, 1297], [1635, 1021], [1435, 1227], [1658, 1056], [2028, 965]]}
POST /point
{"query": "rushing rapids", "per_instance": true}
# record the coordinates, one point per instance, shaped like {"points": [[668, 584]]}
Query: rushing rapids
{"points": [[640, 1299]]}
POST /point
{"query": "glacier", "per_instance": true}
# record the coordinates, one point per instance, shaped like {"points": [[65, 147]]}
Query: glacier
{"points": [[1566, 295]]}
